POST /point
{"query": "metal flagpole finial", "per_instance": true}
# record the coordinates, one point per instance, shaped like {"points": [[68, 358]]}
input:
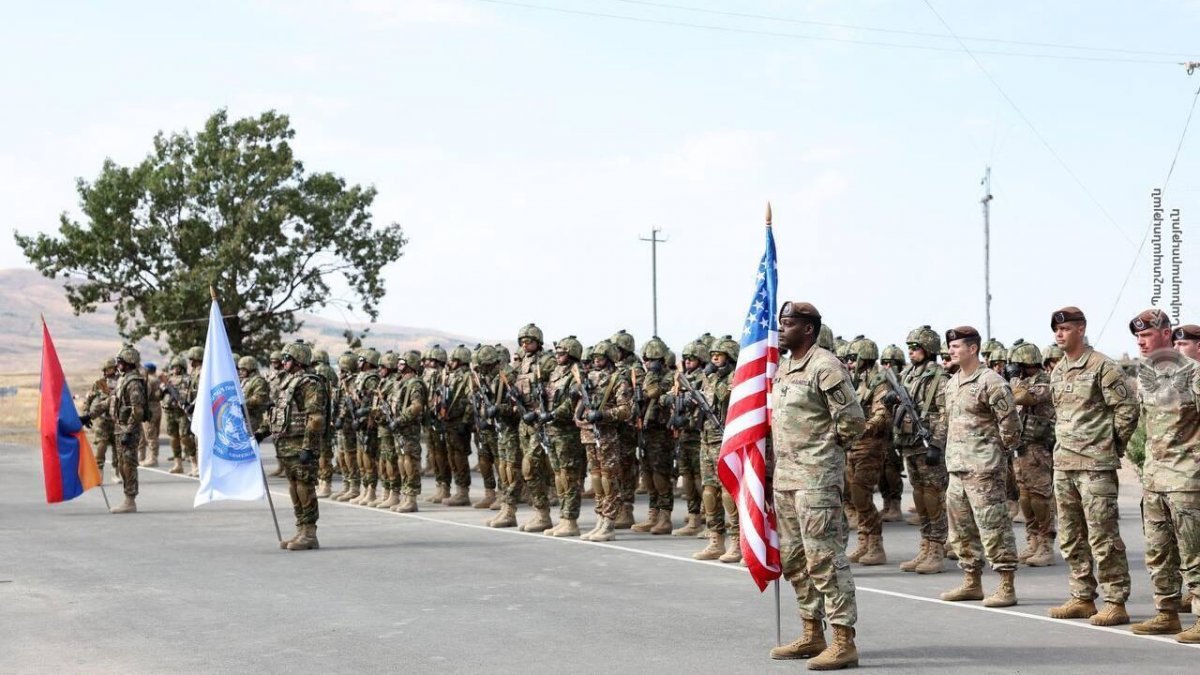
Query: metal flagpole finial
{"points": [[768, 214], [213, 292]]}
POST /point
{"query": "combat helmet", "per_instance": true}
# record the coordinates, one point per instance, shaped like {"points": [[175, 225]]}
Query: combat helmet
{"points": [[412, 359], [109, 363], [726, 345], [670, 361], [927, 339], [1052, 353], [865, 349], [130, 355], [195, 354], [624, 341], [696, 350], [276, 356], [843, 351], [320, 356], [461, 354], [825, 337], [487, 355], [531, 331], [505, 355], [998, 356], [437, 353], [655, 349], [707, 340], [992, 345], [570, 346], [390, 360], [347, 362], [248, 364], [608, 350], [299, 353], [1025, 354], [370, 355], [893, 354], [175, 362]]}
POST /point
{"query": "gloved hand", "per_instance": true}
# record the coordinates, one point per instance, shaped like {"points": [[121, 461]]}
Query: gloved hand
{"points": [[261, 435], [933, 456], [306, 456], [595, 416], [127, 439], [1012, 370], [545, 417], [710, 368], [891, 398], [678, 421], [491, 412], [529, 417], [86, 420]]}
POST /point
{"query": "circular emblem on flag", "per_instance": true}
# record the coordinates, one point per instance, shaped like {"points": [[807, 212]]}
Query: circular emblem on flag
{"points": [[231, 437]]}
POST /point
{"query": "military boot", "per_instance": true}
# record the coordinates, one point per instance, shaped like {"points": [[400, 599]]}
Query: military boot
{"points": [[911, 565], [366, 497], [891, 511], [971, 588], [841, 654], [1042, 555], [393, 499], [733, 552], [151, 458], [691, 526], [874, 555], [567, 527], [1190, 636], [859, 550], [912, 519], [715, 548], [645, 525], [194, 472], [663, 526], [624, 519], [323, 489], [284, 544], [1031, 547], [348, 495], [1074, 608], [374, 503], [1005, 594], [1166, 622], [539, 523], [1014, 512], [1111, 614], [1185, 603], [808, 645], [489, 498], [934, 562], [176, 465], [462, 497], [307, 539], [436, 496], [607, 531], [127, 506]]}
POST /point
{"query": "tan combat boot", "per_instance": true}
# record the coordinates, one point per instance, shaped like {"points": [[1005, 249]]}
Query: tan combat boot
{"points": [[1074, 608], [539, 523], [691, 526], [733, 551], [567, 527], [1185, 603], [1111, 614], [436, 496], [127, 506], [875, 555], [345, 488], [624, 519], [1032, 542], [891, 511], [808, 645], [408, 507], [307, 539], [841, 654], [934, 562], [323, 489], [1166, 622], [607, 531], [374, 503], [1005, 594], [911, 565], [151, 458], [715, 548], [645, 525], [462, 497], [176, 465], [489, 498], [971, 588], [392, 500], [663, 526], [348, 495], [194, 472], [506, 518], [284, 543], [367, 496], [1042, 555], [859, 550], [1190, 636], [1014, 512]]}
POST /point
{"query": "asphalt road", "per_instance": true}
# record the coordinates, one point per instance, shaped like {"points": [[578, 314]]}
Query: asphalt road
{"points": [[208, 591]]}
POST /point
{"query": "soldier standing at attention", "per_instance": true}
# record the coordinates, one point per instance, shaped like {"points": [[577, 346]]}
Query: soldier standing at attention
{"points": [[500, 376], [128, 406], [534, 462], [381, 408], [408, 402], [178, 417], [152, 427], [658, 446], [686, 424], [864, 461], [981, 432], [343, 425], [1169, 395], [365, 426], [458, 426], [1095, 416], [195, 357], [611, 406], [298, 423], [1034, 467], [322, 369], [484, 429], [720, 512], [631, 368], [434, 432], [566, 448], [891, 480], [814, 418], [96, 415], [257, 392]]}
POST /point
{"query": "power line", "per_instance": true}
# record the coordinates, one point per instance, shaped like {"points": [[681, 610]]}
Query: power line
{"points": [[895, 31], [818, 38]]}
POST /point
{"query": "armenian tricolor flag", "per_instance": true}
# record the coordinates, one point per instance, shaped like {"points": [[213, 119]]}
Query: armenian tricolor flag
{"points": [[67, 458]]}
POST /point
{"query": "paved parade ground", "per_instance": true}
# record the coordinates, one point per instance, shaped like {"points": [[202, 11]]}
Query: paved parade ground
{"points": [[208, 590]]}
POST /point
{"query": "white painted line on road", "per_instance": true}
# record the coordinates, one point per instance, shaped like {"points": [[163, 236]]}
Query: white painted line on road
{"points": [[1075, 623]]}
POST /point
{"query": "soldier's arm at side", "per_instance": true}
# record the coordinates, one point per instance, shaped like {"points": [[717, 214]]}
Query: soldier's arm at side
{"points": [[1000, 398], [938, 424], [848, 417], [879, 419], [1123, 403], [314, 408]]}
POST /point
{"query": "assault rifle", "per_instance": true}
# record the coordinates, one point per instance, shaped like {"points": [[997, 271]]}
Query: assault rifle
{"points": [[585, 401], [699, 400], [511, 392], [638, 422], [479, 404], [907, 408], [176, 398]]}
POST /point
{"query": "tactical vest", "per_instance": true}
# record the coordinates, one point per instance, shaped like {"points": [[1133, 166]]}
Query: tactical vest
{"points": [[288, 417]]}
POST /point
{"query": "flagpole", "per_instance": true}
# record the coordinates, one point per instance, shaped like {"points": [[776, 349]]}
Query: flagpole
{"points": [[769, 498], [105, 494]]}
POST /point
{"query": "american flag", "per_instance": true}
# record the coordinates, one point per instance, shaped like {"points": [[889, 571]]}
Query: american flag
{"points": [[742, 467]]}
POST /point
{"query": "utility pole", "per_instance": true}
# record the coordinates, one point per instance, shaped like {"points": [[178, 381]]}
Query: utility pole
{"points": [[986, 200], [654, 242]]}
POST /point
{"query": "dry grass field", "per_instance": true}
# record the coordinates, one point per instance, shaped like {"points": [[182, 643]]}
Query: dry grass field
{"points": [[18, 412]]}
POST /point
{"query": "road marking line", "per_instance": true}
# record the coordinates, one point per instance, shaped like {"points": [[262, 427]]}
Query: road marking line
{"points": [[538, 536]]}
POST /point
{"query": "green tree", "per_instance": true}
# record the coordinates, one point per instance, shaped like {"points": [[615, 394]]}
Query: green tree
{"points": [[229, 207]]}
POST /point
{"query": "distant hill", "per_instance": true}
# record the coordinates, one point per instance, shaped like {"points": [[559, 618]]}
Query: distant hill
{"points": [[84, 342]]}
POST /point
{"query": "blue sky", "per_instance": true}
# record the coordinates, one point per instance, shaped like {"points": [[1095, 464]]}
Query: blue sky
{"points": [[525, 150]]}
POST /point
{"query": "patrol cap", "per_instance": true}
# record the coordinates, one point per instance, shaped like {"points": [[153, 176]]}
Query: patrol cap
{"points": [[961, 333], [1188, 331], [799, 309], [1067, 314], [1150, 318]]}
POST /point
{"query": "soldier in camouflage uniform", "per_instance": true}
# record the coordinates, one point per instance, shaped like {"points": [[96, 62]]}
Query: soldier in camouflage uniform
{"points": [[633, 370], [720, 513], [610, 404], [927, 475], [298, 424], [366, 429], [484, 428], [981, 430], [434, 430], [1034, 467], [657, 444], [343, 427], [96, 416], [814, 418], [1096, 414], [274, 373], [1169, 396], [891, 480], [178, 417], [1051, 355], [381, 409], [686, 425], [864, 461], [526, 385], [128, 406], [567, 455], [322, 369], [195, 357], [408, 400], [499, 376], [457, 420], [256, 391], [152, 427], [1187, 341]]}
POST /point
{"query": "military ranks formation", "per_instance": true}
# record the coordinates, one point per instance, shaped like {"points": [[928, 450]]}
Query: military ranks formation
{"points": [[987, 436]]}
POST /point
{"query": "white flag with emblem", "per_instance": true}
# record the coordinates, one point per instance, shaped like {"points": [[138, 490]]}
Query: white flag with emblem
{"points": [[229, 462]]}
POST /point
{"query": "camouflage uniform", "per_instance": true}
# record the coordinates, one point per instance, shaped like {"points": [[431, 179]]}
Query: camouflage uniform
{"points": [[508, 438], [814, 417], [178, 416], [483, 427], [366, 381], [981, 427], [658, 445], [195, 356], [631, 369], [433, 432], [258, 395], [329, 379], [567, 454], [298, 424], [457, 422], [864, 461], [1096, 415], [687, 442], [534, 462], [343, 425], [1034, 467], [408, 401], [1169, 394], [612, 397], [381, 410], [924, 383], [152, 427], [719, 509], [128, 406], [97, 405]]}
